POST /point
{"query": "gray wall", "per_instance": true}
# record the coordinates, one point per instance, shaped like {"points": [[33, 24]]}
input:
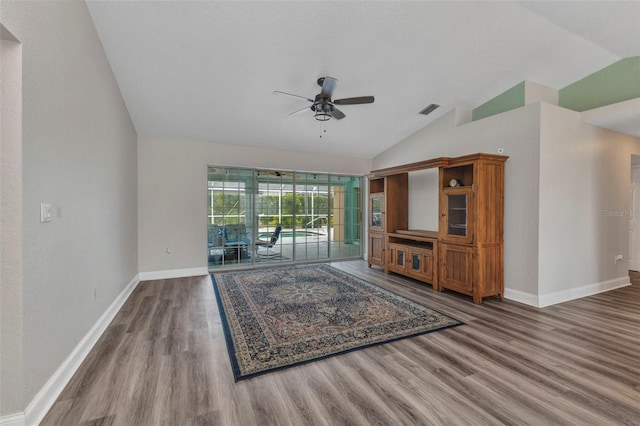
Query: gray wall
{"points": [[79, 154], [10, 225], [172, 185], [585, 172]]}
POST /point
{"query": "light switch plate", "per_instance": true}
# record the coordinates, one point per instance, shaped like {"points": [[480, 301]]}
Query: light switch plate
{"points": [[45, 212]]}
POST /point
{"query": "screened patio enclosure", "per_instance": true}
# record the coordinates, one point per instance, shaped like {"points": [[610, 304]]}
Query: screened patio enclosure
{"points": [[318, 213]]}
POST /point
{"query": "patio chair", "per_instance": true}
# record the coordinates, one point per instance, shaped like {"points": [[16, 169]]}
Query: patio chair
{"points": [[268, 244], [236, 241]]}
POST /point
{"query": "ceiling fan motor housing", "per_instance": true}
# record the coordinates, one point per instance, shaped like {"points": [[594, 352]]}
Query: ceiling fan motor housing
{"points": [[322, 104]]}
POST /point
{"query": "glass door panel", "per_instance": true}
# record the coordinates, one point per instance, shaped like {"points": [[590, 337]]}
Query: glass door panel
{"points": [[229, 224], [345, 218], [274, 210], [457, 214], [311, 232], [376, 203], [416, 262], [457, 206]]}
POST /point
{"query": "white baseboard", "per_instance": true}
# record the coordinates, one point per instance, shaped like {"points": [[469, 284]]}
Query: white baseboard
{"points": [[45, 399], [173, 273], [542, 301], [587, 290], [16, 419], [521, 297]]}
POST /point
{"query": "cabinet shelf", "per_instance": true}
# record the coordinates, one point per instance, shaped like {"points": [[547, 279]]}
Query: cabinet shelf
{"points": [[416, 242]]}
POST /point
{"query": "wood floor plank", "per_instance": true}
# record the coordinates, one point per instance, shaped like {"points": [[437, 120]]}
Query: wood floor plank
{"points": [[298, 398], [163, 361]]}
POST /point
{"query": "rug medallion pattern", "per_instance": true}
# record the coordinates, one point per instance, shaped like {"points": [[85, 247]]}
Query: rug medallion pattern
{"points": [[276, 318]]}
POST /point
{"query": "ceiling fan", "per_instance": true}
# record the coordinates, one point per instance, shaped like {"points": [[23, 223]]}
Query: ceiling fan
{"points": [[323, 107]]}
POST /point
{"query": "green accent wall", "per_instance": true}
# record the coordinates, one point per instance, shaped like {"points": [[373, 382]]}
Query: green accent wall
{"points": [[511, 99], [616, 83]]}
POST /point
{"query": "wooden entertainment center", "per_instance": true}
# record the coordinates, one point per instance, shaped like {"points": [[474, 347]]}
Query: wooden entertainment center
{"points": [[466, 253]]}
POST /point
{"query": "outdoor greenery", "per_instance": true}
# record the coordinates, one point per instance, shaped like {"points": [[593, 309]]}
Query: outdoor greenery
{"points": [[267, 209], [233, 206]]}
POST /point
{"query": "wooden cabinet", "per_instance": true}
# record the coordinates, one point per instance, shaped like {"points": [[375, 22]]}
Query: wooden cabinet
{"points": [[414, 254], [471, 226], [387, 211], [466, 253]]}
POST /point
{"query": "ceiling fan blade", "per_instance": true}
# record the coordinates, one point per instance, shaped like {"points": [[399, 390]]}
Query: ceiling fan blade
{"points": [[299, 110], [291, 94], [337, 114], [328, 85], [355, 101]]}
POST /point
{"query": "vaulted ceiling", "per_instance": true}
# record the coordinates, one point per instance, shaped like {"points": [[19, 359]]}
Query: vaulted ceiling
{"points": [[206, 70]]}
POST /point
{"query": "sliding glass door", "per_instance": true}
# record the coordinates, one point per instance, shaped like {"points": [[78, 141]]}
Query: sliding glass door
{"points": [[311, 236], [274, 216], [345, 216], [229, 226], [268, 216]]}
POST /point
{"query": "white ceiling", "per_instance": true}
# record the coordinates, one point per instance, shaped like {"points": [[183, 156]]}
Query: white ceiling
{"points": [[207, 70]]}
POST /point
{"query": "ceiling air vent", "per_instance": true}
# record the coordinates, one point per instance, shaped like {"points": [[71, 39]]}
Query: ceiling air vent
{"points": [[429, 109]]}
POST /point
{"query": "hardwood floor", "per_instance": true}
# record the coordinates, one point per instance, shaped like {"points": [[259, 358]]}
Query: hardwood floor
{"points": [[163, 361]]}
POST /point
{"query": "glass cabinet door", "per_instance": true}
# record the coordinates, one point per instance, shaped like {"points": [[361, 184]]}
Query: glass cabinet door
{"points": [[376, 209], [400, 258], [456, 211], [416, 265], [457, 214]]}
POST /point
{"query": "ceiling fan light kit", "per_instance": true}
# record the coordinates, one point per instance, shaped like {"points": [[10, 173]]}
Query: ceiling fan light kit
{"points": [[322, 110], [322, 116], [322, 106]]}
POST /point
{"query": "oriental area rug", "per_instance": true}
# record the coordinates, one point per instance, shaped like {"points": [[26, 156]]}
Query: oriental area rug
{"points": [[281, 317]]}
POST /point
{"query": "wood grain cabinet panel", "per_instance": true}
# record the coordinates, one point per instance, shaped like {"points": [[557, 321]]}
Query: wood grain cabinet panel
{"points": [[397, 258], [420, 264], [376, 249], [456, 267]]}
